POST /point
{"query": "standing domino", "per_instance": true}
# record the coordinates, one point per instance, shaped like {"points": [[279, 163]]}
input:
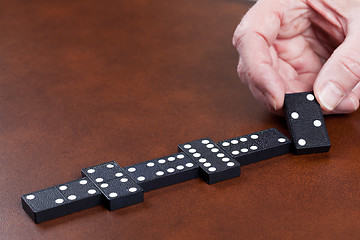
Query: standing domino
{"points": [[216, 165], [118, 188], [306, 123], [257, 146]]}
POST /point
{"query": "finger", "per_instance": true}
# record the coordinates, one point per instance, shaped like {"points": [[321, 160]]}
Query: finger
{"points": [[356, 90], [298, 53], [253, 38], [348, 105], [255, 22], [255, 84], [316, 44], [334, 33], [340, 74]]}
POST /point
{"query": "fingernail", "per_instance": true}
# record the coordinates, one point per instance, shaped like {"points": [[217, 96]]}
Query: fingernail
{"points": [[271, 103], [355, 102], [330, 96]]}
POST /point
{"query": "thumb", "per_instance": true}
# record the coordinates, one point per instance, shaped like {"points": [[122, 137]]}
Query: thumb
{"points": [[339, 75]]}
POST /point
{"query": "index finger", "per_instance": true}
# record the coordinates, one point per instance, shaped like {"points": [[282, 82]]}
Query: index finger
{"points": [[252, 38]]}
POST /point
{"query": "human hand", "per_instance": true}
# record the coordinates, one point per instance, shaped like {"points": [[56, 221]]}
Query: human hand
{"points": [[288, 46]]}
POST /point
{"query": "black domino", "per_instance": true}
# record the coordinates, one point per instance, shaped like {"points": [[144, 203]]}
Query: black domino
{"points": [[82, 194], [61, 200], [119, 190], [306, 123], [45, 204], [257, 146], [162, 172], [215, 164]]}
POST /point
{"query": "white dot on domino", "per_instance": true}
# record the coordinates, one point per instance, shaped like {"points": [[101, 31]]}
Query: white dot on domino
{"points": [[161, 161], [59, 200], [180, 156], [244, 150], [132, 169], [30, 197], [230, 164], [189, 165], [302, 142], [207, 164], [310, 97], [159, 173], [83, 182], [225, 144], [62, 188], [202, 160], [317, 123], [119, 174], [124, 180], [187, 146], [294, 115], [205, 141], [180, 167], [253, 148], [171, 159], [192, 150], [92, 191], [72, 197], [210, 145], [141, 178], [215, 150], [234, 141], [243, 139], [254, 136], [110, 166], [170, 170], [150, 164], [133, 189], [212, 169], [99, 180], [225, 159], [220, 155], [91, 170], [235, 152], [197, 155], [281, 140], [104, 185], [113, 194]]}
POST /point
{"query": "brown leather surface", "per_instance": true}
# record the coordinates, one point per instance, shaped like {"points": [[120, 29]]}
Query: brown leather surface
{"points": [[85, 82]]}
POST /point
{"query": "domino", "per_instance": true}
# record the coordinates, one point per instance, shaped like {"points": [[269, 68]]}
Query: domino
{"points": [[257, 146], [306, 123], [215, 164], [119, 190], [61, 200], [45, 204], [81, 193], [162, 172]]}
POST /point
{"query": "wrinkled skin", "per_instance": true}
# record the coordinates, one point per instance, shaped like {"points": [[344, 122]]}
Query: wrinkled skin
{"points": [[290, 46]]}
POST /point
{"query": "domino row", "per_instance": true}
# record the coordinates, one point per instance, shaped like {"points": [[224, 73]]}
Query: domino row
{"points": [[117, 187]]}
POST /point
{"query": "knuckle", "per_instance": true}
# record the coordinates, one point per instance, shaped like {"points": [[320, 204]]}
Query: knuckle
{"points": [[351, 65], [243, 74], [239, 33]]}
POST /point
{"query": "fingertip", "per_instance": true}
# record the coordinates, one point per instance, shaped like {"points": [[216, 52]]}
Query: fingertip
{"points": [[273, 100], [348, 105], [279, 100], [329, 95]]}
